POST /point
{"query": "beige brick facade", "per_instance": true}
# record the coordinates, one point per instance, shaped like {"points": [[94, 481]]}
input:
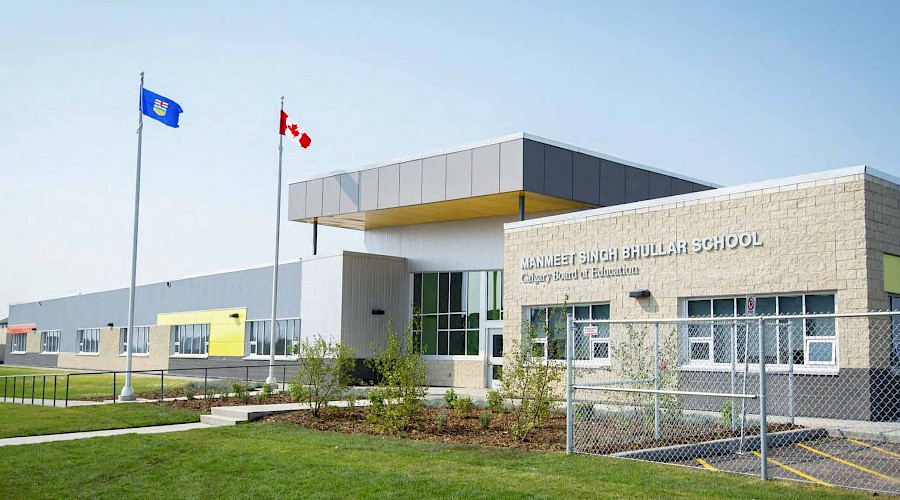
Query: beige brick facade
{"points": [[453, 373], [109, 357]]}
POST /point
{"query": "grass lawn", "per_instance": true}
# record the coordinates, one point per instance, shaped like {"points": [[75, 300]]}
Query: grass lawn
{"points": [[275, 460], [79, 385], [31, 420]]}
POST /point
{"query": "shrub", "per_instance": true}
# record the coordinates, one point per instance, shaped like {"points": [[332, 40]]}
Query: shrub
{"points": [[464, 405], [495, 400], [450, 397], [533, 381], [727, 414], [241, 391], [443, 418], [267, 390], [323, 373], [485, 419], [189, 392], [400, 391]]}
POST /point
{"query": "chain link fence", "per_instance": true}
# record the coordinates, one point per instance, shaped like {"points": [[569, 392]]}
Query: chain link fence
{"points": [[688, 391]]}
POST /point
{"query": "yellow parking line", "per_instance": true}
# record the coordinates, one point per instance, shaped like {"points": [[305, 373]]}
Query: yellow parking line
{"points": [[706, 465], [795, 471], [876, 448], [841, 460]]}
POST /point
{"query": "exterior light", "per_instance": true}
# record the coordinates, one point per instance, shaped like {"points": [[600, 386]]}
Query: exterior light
{"points": [[234, 315], [109, 325], [639, 294], [378, 312]]}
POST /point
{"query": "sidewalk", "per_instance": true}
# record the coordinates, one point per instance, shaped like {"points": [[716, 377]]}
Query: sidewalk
{"points": [[69, 436]]}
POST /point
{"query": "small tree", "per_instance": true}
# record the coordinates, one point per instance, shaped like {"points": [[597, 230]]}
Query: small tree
{"points": [[400, 390], [532, 378], [323, 372]]}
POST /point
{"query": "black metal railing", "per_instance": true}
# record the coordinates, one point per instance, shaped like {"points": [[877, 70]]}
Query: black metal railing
{"points": [[16, 392]]}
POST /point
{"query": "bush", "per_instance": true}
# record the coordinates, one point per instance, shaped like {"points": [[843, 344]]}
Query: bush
{"points": [[443, 418], [267, 390], [323, 373], [485, 419], [189, 392], [400, 391], [241, 392], [464, 405], [495, 400], [450, 398], [532, 380]]}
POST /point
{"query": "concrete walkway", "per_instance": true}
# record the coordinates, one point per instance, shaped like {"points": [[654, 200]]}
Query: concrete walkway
{"points": [[69, 436], [51, 402]]}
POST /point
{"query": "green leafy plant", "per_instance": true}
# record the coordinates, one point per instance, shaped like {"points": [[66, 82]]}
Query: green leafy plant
{"points": [[727, 414], [399, 392], [443, 418], [485, 419], [189, 392], [464, 405], [267, 390], [531, 379], [495, 400], [241, 392], [324, 372], [450, 397]]}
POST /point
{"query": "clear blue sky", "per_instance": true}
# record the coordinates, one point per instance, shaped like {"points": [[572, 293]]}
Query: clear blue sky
{"points": [[725, 91]]}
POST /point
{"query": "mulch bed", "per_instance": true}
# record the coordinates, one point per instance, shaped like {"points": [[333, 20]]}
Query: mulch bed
{"points": [[460, 429], [204, 405]]}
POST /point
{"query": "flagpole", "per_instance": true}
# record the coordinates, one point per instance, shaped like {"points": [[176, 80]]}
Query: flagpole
{"points": [[274, 325], [127, 391]]}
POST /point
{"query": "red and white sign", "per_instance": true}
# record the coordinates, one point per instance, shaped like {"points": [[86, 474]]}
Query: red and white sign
{"points": [[293, 132], [751, 306], [591, 330]]}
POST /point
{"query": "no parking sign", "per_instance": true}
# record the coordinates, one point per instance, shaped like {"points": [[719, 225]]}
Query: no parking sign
{"points": [[751, 306]]}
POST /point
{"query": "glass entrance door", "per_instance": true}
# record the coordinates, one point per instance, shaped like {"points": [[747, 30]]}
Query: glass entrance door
{"points": [[495, 356]]}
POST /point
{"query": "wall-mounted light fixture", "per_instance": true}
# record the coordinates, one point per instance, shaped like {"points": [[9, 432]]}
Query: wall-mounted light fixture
{"points": [[378, 312], [639, 294], [34, 329], [169, 284], [234, 315], [109, 325]]}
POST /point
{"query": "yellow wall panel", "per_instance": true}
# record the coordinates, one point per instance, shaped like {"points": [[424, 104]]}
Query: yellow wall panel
{"points": [[891, 273], [226, 334]]}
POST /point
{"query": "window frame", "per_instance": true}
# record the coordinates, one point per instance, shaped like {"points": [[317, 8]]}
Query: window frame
{"points": [[53, 336], [481, 314], [18, 336], [785, 320], [253, 343], [177, 336], [94, 341], [603, 335], [123, 340]]}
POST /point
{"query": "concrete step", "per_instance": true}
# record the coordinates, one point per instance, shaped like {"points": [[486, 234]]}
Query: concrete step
{"points": [[220, 421], [235, 412]]}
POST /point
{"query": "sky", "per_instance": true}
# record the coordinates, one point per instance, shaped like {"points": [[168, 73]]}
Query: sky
{"points": [[725, 91]]}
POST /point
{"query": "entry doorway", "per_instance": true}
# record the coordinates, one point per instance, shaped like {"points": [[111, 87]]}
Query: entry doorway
{"points": [[495, 355]]}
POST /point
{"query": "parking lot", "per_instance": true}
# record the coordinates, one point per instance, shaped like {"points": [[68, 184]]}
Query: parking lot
{"points": [[830, 461]]}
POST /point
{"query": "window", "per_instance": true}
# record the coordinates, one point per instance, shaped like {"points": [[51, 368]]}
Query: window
{"points": [[447, 308], [287, 336], [810, 341], [50, 342], [17, 342], [89, 341], [141, 339], [550, 333], [190, 339]]}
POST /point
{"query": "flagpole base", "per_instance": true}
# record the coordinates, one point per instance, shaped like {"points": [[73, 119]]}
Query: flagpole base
{"points": [[271, 380], [127, 394]]}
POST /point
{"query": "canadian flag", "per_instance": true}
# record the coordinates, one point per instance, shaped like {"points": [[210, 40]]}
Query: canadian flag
{"points": [[293, 132]]}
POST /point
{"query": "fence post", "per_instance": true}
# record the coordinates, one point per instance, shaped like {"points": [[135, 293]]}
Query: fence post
{"points": [[247, 381], [656, 381], [114, 388], [67, 390], [5, 381], [763, 431], [33, 381], [570, 350], [734, 374], [205, 386], [791, 372], [54, 390], [161, 386], [284, 375], [44, 391]]}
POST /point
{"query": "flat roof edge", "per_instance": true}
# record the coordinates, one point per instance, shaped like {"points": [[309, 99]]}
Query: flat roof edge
{"points": [[711, 193]]}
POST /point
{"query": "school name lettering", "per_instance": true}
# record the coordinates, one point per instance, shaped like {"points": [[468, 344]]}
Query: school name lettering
{"points": [[707, 244]]}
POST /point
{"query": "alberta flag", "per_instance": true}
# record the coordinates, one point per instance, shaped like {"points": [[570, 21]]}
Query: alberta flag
{"points": [[160, 108]]}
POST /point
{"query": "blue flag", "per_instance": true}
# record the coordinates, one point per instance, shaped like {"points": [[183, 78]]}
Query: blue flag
{"points": [[160, 108]]}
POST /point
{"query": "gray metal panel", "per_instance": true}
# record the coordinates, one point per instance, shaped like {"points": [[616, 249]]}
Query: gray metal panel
{"points": [[372, 282], [250, 288], [434, 179], [660, 185], [680, 186], [297, 201], [557, 172], [411, 182], [486, 170], [314, 197], [349, 193], [459, 175], [511, 155], [637, 184], [331, 195], [533, 166], [612, 183], [368, 189], [389, 186], [586, 178]]}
